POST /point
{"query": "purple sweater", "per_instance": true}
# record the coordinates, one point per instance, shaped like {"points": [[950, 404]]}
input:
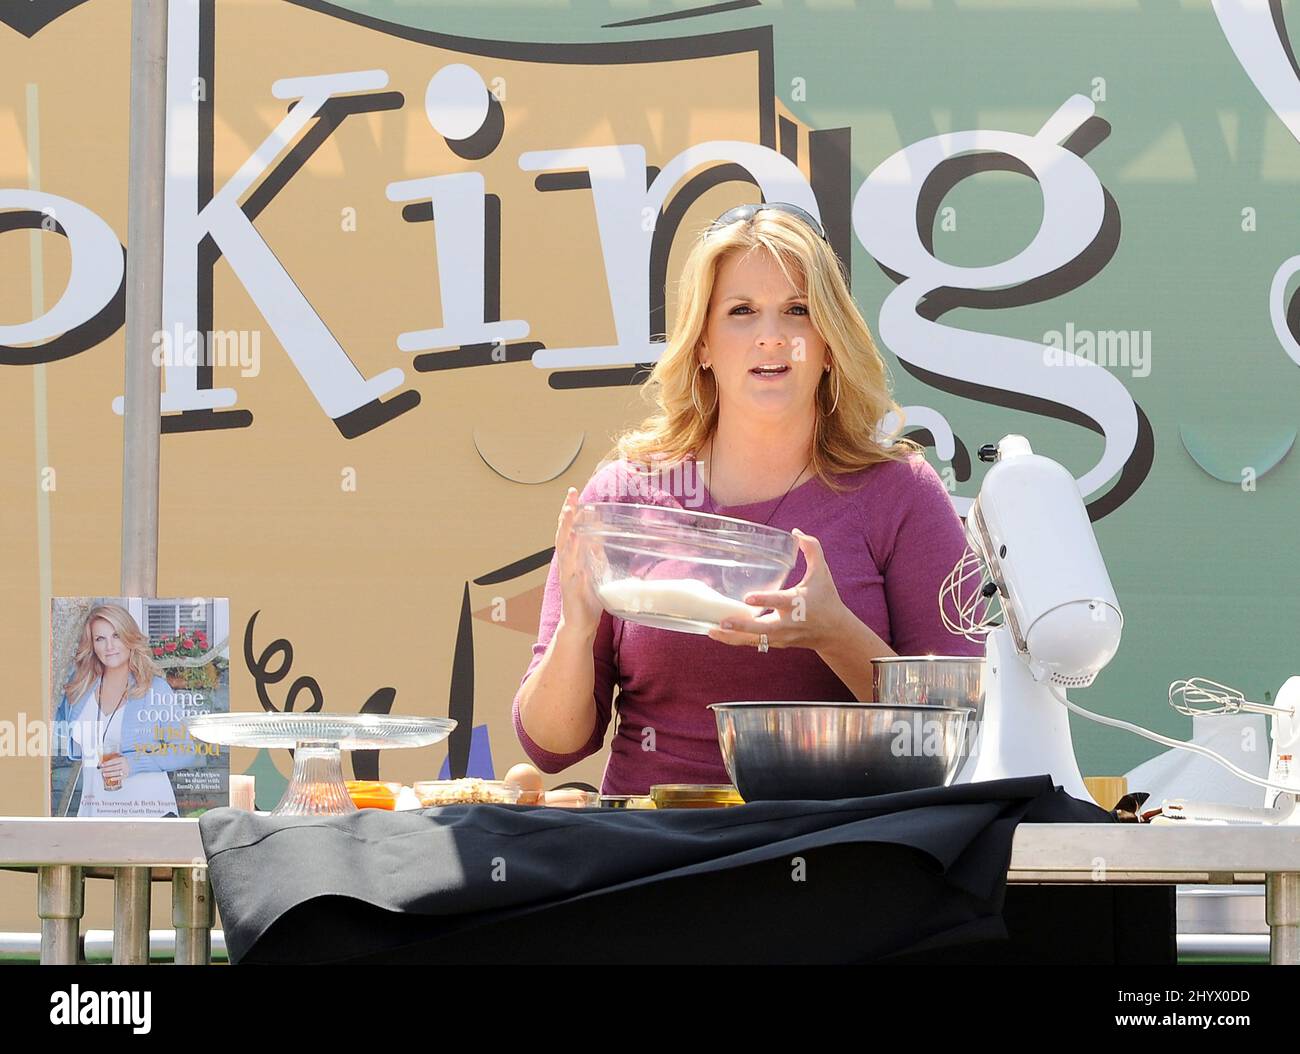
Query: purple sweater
{"points": [[889, 542]]}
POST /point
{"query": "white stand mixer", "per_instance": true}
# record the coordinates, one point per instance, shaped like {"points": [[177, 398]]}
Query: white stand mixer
{"points": [[1032, 546], [1035, 549], [1023, 732]]}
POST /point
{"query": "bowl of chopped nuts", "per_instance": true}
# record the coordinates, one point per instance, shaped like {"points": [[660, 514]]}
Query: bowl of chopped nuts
{"points": [[467, 791]]}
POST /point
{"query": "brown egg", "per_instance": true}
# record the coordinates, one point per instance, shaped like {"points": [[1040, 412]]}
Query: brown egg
{"points": [[529, 782]]}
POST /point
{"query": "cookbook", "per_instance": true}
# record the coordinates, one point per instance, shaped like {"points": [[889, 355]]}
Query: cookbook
{"points": [[125, 674]]}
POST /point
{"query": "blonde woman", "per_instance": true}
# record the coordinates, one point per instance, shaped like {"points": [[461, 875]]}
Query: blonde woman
{"points": [[114, 698], [768, 399]]}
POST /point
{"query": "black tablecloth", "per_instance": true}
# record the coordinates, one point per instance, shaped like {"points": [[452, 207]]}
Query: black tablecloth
{"points": [[853, 880]]}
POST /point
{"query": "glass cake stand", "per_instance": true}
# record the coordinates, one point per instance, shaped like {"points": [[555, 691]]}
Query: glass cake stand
{"points": [[318, 740]]}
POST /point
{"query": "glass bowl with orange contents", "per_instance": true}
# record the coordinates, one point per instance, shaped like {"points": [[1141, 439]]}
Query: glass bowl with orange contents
{"points": [[373, 794]]}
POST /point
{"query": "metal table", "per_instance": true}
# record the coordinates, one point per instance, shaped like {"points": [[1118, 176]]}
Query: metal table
{"points": [[63, 851]]}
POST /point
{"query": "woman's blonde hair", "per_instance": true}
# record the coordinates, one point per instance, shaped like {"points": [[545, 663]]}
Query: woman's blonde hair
{"points": [[844, 441], [86, 667]]}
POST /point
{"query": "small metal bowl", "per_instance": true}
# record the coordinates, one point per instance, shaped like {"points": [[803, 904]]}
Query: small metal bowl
{"points": [[785, 751], [932, 680], [929, 680]]}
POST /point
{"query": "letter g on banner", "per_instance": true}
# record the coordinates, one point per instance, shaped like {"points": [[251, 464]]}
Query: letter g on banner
{"points": [[1074, 207]]}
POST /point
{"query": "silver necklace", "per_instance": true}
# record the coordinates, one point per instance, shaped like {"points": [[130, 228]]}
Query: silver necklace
{"points": [[767, 522], [100, 737]]}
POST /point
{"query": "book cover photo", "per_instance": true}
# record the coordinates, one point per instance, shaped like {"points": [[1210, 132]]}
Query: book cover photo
{"points": [[126, 672]]}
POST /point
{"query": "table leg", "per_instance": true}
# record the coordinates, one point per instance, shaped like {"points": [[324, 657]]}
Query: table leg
{"points": [[192, 915], [60, 904], [1282, 910], [131, 915]]}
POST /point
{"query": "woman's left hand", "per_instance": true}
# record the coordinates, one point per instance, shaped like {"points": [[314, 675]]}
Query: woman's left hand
{"points": [[808, 615]]}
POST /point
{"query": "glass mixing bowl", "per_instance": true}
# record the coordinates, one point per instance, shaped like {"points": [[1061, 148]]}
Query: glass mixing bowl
{"points": [[680, 569]]}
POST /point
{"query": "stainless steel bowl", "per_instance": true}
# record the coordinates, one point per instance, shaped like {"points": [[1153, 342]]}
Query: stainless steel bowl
{"points": [[783, 751], [932, 680], [929, 680]]}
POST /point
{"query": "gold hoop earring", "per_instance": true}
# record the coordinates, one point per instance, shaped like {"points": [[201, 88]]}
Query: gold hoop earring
{"points": [[836, 401], [695, 400]]}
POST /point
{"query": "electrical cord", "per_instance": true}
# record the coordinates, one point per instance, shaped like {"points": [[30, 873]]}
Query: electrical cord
{"points": [[1195, 748]]}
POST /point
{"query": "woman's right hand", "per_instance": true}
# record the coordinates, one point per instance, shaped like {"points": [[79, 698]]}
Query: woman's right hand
{"points": [[113, 768], [580, 607]]}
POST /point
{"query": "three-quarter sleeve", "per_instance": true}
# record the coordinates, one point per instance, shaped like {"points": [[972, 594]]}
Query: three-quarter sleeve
{"points": [[167, 754], [606, 669], [923, 541]]}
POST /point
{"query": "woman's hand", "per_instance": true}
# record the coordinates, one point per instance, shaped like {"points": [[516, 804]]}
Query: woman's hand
{"points": [[580, 607], [808, 615], [115, 770]]}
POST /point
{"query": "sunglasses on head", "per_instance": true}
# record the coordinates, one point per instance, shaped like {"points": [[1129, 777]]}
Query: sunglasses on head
{"points": [[745, 212]]}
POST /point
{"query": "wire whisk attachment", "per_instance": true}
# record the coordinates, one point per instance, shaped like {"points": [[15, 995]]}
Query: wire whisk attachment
{"points": [[1200, 695], [964, 607]]}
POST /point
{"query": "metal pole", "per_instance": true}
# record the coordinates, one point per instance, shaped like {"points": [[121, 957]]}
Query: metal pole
{"points": [[1282, 910], [142, 390], [131, 916], [144, 281], [60, 905], [192, 915]]}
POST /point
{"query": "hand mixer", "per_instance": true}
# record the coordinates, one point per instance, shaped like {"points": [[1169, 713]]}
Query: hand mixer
{"points": [[1201, 696]]}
